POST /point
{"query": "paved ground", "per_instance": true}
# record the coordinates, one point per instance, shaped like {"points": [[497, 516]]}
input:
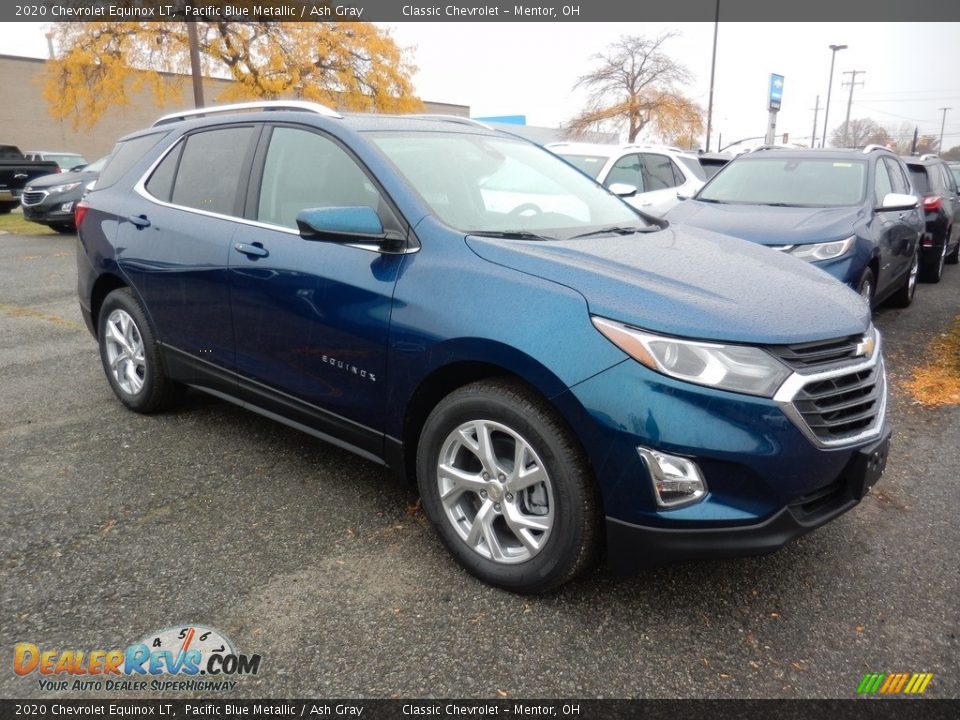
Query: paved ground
{"points": [[115, 525]]}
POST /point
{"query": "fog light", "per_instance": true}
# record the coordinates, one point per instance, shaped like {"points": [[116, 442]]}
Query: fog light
{"points": [[66, 207], [676, 480]]}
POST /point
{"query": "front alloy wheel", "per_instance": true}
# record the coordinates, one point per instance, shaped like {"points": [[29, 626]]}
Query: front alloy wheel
{"points": [[495, 491], [507, 487]]}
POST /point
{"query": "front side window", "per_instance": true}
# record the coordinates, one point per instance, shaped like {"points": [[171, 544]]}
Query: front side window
{"points": [[305, 170], [479, 183], [898, 179], [626, 171], [881, 185], [790, 182]]}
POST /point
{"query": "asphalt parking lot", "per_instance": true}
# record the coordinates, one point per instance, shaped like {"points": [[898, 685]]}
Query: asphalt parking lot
{"points": [[116, 525]]}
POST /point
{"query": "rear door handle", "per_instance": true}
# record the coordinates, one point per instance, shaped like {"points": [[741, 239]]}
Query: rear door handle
{"points": [[141, 221], [254, 250]]}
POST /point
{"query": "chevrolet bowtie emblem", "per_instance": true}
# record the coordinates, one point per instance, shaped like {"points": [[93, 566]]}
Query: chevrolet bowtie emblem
{"points": [[865, 347]]}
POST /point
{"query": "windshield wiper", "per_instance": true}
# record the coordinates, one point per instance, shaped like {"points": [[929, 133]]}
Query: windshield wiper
{"points": [[509, 234], [711, 200], [617, 230]]}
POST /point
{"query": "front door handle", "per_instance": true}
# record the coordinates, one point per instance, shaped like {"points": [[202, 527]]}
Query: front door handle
{"points": [[141, 221], [254, 250]]}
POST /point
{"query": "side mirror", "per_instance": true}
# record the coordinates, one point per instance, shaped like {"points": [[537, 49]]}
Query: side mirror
{"points": [[681, 196], [622, 189], [344, 224], [898, 201]]}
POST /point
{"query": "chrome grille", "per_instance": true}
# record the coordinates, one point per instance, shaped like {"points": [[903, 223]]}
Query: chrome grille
{"points": [[804, 356], [842, 407], [33, 197]]}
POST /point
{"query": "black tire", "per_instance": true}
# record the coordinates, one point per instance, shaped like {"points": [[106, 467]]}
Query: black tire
{"points": [[931, 270], [568, 495], [867, 287], [147, 389], [6, 207], [954, 257], [903, 297], [64, 229]]}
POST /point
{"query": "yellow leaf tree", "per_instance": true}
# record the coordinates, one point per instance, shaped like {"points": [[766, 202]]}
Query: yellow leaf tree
{"points": [[103, 66], [636, 84]]}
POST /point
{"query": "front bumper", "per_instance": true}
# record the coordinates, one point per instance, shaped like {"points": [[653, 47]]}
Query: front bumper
{"points": [[633, 547], [768, 476], [50, 211]]}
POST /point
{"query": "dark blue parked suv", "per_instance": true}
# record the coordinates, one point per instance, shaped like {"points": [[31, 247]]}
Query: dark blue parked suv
{"points": [[558, 374], [849, 212]]}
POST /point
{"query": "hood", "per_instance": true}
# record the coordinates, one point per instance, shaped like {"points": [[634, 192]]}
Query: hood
{"points": [[45, 181], [692, 283], [769, 225]]}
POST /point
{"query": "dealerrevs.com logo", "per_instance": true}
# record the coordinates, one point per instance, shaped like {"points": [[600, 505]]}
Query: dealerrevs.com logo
{"points": [[183, 658]]}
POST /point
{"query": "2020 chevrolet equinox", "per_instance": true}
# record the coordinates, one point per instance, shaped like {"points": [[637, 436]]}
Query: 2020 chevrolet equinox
{"points": [[558, 372]]}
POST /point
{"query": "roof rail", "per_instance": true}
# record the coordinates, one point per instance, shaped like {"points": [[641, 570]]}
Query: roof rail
{"points": [[760, 148], [870, 148], [930, 156], [460, 119], [299, 105]]}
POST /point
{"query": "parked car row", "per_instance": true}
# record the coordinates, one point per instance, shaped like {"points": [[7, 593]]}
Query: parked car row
{"points": [[561, 373], [52, 199]]}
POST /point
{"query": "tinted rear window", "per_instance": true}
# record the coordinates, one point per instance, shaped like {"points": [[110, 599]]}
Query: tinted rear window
{"points": [[210, 170], [918, 174], [124, 156]]}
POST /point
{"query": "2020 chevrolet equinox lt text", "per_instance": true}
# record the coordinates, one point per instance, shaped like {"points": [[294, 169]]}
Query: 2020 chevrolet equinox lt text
{"points": [[558, 374]]}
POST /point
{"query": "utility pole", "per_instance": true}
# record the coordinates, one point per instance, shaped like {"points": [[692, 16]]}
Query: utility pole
{"points": [[195, 64], [853, 83], [826, 111], [816, 111], [50, 53], [713, 69], [943, 124]]}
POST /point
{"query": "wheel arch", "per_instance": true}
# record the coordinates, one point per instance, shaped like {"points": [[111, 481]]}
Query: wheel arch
{"points": [[104, 285]]}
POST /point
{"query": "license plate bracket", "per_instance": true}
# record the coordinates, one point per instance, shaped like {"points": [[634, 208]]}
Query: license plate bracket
{"points": [[868, 466]]}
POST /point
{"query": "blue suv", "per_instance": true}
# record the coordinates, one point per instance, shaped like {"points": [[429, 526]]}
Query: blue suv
{"points": [[851, 213], [560, 374]]}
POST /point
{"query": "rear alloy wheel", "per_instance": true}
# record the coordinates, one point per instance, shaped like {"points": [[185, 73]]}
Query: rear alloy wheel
{"points": [[904, 295], [507, 487], [130, 355], [931, 272], [866, 287]]}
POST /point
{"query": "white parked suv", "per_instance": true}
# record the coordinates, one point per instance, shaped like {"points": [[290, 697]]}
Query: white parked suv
{"points": [[649, 177]]}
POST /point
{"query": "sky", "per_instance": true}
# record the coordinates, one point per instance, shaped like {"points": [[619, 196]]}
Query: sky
{"points": [[912, 69]]}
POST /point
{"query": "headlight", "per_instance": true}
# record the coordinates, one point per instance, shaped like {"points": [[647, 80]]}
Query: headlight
{"points": [[823, 251], [737, 368], [62, 188]]}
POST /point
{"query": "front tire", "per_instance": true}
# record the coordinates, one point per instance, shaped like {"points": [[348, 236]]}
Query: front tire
{"points": [[507, 487], [867, 286], [131, 356]]}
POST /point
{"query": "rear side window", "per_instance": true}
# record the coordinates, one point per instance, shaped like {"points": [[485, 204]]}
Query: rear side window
{"points": [[659, 172], [124, 156], [211, 170]]}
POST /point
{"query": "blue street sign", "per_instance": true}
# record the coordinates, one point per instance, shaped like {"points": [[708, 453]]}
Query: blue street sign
{"points": [[776, 91]]}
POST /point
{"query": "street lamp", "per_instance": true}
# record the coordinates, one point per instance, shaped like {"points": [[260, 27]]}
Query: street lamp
{"points": [[826, 112]]}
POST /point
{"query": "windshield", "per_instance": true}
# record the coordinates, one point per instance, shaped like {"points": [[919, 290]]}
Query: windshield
{"points": [[589, 164], [793, 182], [66, 161], [955, 169], [478, 183], [96, 165]]}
